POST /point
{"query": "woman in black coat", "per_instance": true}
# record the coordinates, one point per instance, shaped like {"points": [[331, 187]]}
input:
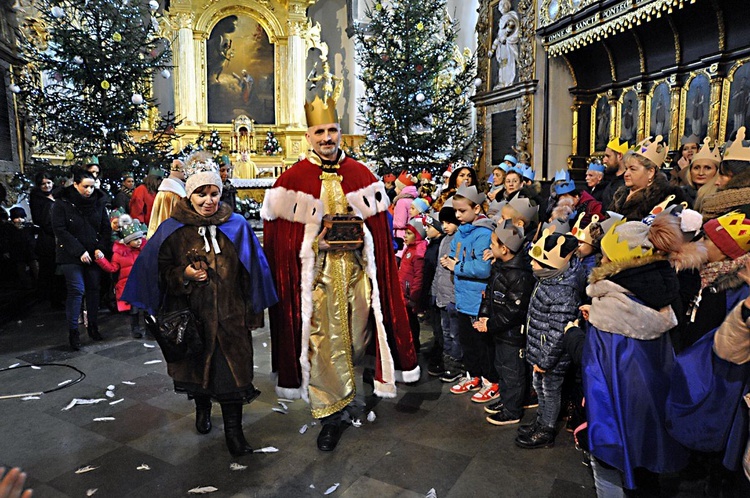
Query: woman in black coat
{"points": [[41, 201], [82, 233]]}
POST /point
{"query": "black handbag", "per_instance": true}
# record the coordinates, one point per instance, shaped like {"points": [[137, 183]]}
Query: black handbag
{"points": [[178, 334]]}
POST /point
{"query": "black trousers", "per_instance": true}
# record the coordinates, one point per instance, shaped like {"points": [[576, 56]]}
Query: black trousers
{"points": [[510, 363], [479, 349]]}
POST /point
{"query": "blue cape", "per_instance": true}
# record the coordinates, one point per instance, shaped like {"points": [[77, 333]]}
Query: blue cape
{"points": [[142, 288], [705, 409]]}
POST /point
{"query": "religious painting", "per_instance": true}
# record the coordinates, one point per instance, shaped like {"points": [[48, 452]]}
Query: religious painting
{"points": [[240, 71], [504, 44], [601, 124], [660, 112], [738, 114], [629, 118], [696, 107]]}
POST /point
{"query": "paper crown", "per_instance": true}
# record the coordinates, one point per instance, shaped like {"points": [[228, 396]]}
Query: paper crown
{"points": [[511, 159], [616, 146], [177, 165], [618, 248], [612, 218], [425, 175], [319, 113], [730, 233], [156, 171], [504, 166], [510, 236], [91, 160], [692, 139], [584, 234], [597, 167], [389, 177], [528, 173], [557, 225], [524, 208], [552, 257], [471, 193], [653, 151], [562, 175], [706, 155], [404, 180], [127, 174], [737, 151], [565, 188]]}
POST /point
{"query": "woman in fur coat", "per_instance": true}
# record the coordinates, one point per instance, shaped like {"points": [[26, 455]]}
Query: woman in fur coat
{"points": [[208, 260], [627, 358], [645, 186]]}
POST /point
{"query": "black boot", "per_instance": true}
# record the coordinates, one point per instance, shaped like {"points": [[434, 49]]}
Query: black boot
{"points": [[135, 327], [527, 429], [203, 414], [232, 414], [93, 331], [543, 437], [74, 338]]}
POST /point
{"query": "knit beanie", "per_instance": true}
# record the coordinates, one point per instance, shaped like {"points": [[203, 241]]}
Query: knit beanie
{"points": [[448, 215], [420, 204], [730, 233], [200, 170], [416, 227], [17, 212], [433, 220]]}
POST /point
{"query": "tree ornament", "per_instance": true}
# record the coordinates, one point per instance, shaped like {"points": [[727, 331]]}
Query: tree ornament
{"points": [[105, 84], [69, 155], [57, 12], [78, 60], [478, 82], [419, 68], [379, 7], [137, 99], [117, 37], [14, 88], [165, 74], [420, 26], [420, 97], [153, 5]]}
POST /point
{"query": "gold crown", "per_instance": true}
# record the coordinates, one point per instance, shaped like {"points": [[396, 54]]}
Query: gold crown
{"points": [[737, 225], [620, 250], [708, 155], [319, 113], [737, 151], [653, 151], [584, 234], [616, 146], [550, 258]]}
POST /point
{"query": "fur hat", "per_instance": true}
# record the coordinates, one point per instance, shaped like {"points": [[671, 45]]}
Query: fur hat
{"points": [[17, 212], [200, 169], [420, 204], [416, 227]]}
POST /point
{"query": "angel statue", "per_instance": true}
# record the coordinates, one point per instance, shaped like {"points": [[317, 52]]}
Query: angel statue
{"points": [[331, 84], [505, 46]]}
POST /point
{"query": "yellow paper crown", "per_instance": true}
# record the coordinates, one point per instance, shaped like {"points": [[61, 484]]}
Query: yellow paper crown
{"points": [[550, 258], [616, 146], [737, 151], [584, 234], [653, 151], [319, 113], [707, 155], [663, 205], [620, 250], [737, 226]]}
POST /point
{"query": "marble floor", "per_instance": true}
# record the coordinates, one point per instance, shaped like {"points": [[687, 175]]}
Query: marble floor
{"points": [[424, 439]]}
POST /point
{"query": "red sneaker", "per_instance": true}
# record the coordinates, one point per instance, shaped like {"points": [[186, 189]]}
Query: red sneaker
{"points": [[487, 393], [467, 384]]}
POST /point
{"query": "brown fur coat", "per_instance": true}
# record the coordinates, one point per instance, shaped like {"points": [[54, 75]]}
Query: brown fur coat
{"points": [[640, 204]]}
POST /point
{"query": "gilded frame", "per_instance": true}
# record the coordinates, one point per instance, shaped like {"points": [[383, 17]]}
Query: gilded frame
{"points": [[652, 126], [725, 131], [686, 107]]}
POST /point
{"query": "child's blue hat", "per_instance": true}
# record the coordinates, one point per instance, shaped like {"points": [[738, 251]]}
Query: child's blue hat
{"points": [[420, 204], [528, 173], [565, 188], [510, 159]]}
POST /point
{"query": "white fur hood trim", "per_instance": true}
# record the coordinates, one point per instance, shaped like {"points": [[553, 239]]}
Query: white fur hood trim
{"points": [[612, 310], [369, 201], [291, 205], [173, 185]]}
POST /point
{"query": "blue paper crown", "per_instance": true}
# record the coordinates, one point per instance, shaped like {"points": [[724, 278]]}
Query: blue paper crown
{"points": [[511, 159], [597, 167], [565, 188], [504, 166], [515, 169], [528, 173], [562, 175]]}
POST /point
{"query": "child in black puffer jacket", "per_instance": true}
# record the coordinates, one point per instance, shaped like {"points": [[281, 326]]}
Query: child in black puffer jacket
{"points": [[503, 315]]}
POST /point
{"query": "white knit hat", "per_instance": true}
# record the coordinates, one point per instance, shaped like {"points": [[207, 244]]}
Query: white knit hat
{"points": [[200, 169]]}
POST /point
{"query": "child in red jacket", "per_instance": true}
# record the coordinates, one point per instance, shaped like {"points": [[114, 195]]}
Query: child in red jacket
{"points": [[124, 253], [410, 273]]}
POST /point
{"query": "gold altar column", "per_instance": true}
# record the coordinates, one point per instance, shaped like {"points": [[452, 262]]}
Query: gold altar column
{"points": [[295, 71], [642, 92], [717, 82], [675, 115], [185, 72]]}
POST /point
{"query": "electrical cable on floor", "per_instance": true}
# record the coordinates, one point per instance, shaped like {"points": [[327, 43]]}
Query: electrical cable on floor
{"points": [[81, 376]]}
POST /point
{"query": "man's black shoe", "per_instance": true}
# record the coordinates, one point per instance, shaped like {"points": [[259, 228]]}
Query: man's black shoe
{"points": [[329, 437]]}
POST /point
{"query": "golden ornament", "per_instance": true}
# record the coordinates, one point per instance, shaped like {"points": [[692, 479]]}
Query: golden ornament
{"points": [[69, 155], [420, 26], [378, 7], [117, 37], [105, 85]]}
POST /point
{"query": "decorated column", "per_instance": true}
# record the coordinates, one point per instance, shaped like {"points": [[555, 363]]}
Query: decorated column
{"points": [[295, 71], [186, 77]]}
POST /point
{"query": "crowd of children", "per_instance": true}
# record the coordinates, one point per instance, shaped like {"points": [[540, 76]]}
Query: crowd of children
{"points": [[607, 318]]}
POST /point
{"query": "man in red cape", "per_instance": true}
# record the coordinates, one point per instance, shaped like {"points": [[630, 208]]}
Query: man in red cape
{"points": [[336, 307]]}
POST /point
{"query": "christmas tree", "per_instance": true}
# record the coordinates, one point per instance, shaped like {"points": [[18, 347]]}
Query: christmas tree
{"points": [[214, 143], [87, 83], [416, 107], [271, 146]]}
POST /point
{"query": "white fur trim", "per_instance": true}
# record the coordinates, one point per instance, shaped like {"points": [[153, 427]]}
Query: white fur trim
{"points": [[408, 376], [293, 206], [173, 185], [384, 390], [612, 310], [369, 201], [285, 392]]}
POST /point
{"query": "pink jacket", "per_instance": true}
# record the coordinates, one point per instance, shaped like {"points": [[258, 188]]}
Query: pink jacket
{"points": [[402, 202], [123, 259]]}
